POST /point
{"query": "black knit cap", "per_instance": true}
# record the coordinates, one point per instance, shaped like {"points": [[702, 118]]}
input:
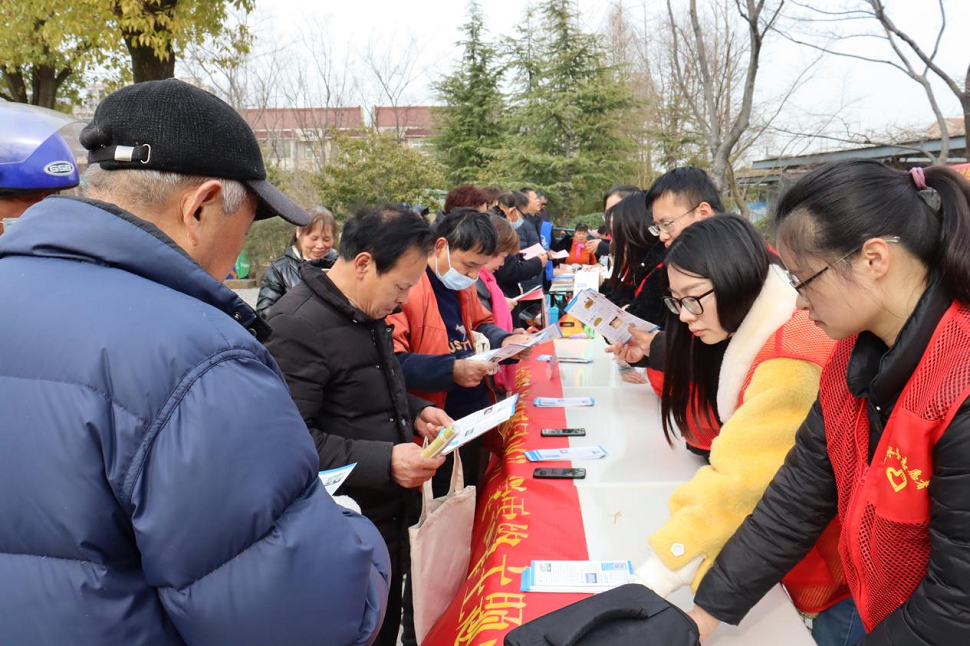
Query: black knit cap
{"points": [[176, 127]]}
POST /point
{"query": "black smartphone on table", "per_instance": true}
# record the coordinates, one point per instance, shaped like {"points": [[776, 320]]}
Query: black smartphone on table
{"points": [[559, 474], [563, 432]]}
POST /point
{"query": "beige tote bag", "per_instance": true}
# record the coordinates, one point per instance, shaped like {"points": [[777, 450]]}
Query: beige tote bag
{"points": [[440, 549]]}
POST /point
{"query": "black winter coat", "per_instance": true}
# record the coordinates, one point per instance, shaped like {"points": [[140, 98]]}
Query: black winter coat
{"points": [[283, 274], [802, 499], [348, 385], [517, 271]]}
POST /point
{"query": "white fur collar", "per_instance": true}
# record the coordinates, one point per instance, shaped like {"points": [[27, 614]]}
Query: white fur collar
{"points": [[772, 309]]}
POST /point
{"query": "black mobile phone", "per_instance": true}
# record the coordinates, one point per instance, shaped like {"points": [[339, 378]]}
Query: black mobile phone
{"points": [[560, 474], [563, 432]]}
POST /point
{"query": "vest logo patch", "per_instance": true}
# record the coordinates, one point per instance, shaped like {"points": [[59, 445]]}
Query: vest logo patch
{"points": [[897, 477]]}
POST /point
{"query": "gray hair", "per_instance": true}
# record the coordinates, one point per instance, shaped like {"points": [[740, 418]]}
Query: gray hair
{"points": [[150, 188]]}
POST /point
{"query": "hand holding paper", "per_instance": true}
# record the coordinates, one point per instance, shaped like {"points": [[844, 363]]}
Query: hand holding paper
{"points": [[592, 308], [468, 428]]}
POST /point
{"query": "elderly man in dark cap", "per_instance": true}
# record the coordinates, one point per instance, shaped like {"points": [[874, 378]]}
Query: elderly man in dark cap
{"points": [[157, 483]]}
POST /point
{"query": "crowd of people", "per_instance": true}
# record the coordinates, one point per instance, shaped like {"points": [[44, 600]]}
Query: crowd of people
{"points": [[160, 440]]}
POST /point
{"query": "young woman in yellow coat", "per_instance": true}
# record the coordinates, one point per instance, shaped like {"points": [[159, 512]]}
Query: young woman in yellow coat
{"points": [[737, 348]]}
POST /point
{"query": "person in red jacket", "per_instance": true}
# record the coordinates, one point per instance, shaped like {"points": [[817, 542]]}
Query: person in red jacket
{"points": [[578, 253], [879, 260], [433, 332]]}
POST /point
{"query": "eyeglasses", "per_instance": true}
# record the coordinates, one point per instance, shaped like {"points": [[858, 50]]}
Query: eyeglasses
{"points": [[690, 303], [664, 227], [799, 286]]}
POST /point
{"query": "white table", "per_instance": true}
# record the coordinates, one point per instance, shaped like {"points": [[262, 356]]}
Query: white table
{"points": [[624, 496]]}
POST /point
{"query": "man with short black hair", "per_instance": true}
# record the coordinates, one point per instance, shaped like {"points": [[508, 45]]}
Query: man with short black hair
{"points": [[336, 352], [433, 334], [679, 198], [157, 484]]}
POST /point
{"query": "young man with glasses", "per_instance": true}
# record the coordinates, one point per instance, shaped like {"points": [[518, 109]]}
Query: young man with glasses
{"points": [[677, 199]]}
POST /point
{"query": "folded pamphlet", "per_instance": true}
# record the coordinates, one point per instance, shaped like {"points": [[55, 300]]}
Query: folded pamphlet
{"points": [[595, 310], [569, 453], [468, 428], [507, 352], [575, 576], [333, 478], [562, 402]]}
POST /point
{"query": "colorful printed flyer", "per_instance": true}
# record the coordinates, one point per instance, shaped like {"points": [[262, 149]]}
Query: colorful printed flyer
{"points": [[595, 310]]}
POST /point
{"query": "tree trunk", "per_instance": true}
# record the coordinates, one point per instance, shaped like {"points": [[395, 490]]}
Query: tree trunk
{"points": [[15, 84], [736, 195], [44, 86], [965, 104], [145, 66]]}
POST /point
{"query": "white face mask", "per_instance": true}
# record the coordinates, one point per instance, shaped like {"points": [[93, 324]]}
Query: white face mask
{"points": [[452, 279], [517, 223]]}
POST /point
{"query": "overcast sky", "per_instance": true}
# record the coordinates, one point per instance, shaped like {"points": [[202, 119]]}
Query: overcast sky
{"points": [[876, 95]]}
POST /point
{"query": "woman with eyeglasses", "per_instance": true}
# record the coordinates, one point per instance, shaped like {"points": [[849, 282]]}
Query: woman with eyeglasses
{"points": [[741, 357], [880, 262]]}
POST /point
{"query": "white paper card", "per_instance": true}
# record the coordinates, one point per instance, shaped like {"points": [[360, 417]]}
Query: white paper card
{"points": [[480, 422], [587, 278], [333, 478]]}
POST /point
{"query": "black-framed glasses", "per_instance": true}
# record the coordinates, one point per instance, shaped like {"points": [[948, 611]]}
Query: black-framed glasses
{"points": [[690, 303], [664, 227], [800, 285]]}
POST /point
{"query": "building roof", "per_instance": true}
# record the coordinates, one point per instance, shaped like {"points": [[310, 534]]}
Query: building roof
{"points": [[286, 120], [416, 118], [957, 144]]}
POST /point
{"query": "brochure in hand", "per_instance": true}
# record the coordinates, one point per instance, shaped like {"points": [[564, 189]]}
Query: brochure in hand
{"points": [[468, 428], [595, 310], [501, 354], [333, 478]]}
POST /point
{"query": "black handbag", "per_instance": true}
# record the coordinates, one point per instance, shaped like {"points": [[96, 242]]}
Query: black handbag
{"points": [[630, 615]]}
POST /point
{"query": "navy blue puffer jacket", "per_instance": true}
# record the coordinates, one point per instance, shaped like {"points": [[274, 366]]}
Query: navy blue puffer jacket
{"points": [[157, 484]]}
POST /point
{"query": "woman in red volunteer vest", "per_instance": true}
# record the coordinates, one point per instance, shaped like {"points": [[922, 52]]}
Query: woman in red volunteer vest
{"points": [[881, 261], [742, 358]]}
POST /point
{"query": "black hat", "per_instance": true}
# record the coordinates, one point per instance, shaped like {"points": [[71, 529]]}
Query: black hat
{"points": [[176, 127]]}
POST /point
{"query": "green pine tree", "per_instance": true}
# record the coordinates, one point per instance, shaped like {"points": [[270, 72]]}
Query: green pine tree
{"points": [[565, 132], [470, 124]]}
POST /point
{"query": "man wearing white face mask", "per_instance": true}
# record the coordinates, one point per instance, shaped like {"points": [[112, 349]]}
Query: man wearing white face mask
{"points": [[433, 330]]}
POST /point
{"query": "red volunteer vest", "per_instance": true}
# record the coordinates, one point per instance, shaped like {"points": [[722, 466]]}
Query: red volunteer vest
{"points": [[885, 507], [817, 582]]}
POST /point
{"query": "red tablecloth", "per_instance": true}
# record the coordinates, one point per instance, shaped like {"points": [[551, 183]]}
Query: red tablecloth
{"points": [[518, 519]]}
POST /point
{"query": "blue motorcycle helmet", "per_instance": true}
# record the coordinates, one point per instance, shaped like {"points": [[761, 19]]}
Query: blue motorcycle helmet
{"points": [[36, 150]]}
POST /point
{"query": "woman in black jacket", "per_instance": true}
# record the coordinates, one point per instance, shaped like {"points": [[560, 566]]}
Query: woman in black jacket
{"points": [[334, 347], [637, 258], [316, 241], [879, 258], [518, 275]]}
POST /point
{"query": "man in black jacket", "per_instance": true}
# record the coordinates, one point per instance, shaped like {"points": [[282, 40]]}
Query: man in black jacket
{"points": [[335, 350]]}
